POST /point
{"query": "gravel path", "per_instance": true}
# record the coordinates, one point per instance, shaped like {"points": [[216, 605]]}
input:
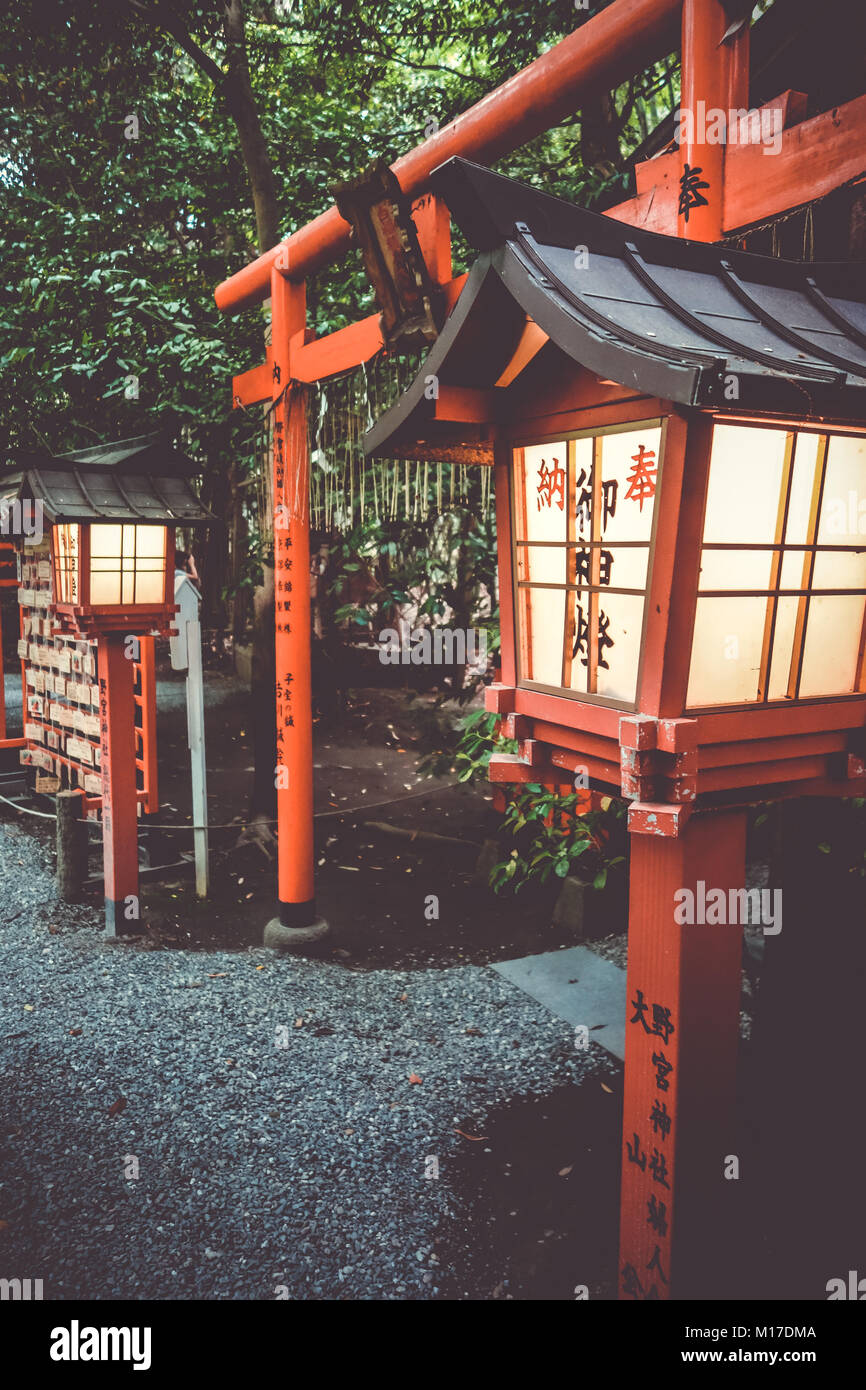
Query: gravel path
{"points": [[264, 1102]]}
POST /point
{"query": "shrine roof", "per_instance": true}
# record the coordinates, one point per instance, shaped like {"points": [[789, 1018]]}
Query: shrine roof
{"points": [[668, 317], [143, 479]]}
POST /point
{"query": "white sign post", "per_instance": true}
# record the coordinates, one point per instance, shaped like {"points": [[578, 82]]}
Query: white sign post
{"points": [[186, 656]]}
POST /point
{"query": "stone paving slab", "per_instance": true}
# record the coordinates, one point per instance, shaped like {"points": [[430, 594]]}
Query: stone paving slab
{"points": [[578, 986]]}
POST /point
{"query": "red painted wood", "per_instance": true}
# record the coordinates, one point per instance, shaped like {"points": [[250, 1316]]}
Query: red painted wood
{"points": [[694, 973], [464, 403], [730, 726], [433, 225], [705, 78], [554, 709], [292, 567], [772, 749], [254, 386], [761, 775], [669, 683], [339, 351], [815, 157], [578, 740], [119, 798], [148, 721], [662, 585]]}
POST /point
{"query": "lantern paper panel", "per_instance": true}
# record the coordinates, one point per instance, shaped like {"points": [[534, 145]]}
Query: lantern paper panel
{"points": [[67, 547], [127, 564], [583, 525], [782, 589]]}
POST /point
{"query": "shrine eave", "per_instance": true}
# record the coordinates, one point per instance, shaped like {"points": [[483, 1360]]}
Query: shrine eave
{"points": [[140, 480], [690, 322]]}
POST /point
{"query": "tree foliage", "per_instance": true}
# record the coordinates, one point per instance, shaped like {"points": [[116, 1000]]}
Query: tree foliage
{"points": [[130, 184]]}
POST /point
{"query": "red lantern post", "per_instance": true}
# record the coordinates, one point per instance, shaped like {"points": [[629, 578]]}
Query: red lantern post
{"points": [[119, 804]]}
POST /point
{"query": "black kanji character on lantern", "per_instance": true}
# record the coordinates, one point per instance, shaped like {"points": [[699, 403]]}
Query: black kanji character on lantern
{"points": [[656, 1264], [583, 508], [581, 638], [584, 499], [582, 567], [276, 373], [663, 1068], [690, 195], [631, 1284], [657, 1215], [636, 1154], [604, 639], [550, 481], [660, 1119], [659, 1169]]}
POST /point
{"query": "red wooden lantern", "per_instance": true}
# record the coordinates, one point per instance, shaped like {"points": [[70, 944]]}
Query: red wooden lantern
{"points": [[114, 576], [112, 511], [679, 437]]}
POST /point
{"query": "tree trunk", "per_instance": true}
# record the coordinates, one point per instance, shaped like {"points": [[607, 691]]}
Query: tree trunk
{"points": [[260, 171], [242, 107]]}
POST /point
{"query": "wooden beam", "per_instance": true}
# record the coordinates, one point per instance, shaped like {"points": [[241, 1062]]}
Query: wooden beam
{"points": [[814, 158], [339, 351], [254, 386], [433, 225], [464, 403]]}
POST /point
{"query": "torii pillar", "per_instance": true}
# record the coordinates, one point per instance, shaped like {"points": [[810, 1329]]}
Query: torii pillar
{"points": [[296, 926]]}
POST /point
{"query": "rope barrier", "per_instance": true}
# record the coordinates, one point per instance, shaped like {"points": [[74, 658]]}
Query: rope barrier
{"points": [[235, 825]]}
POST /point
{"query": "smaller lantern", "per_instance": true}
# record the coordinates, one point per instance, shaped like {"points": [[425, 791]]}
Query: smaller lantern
{"points": [[111, 513], [108, 575]]}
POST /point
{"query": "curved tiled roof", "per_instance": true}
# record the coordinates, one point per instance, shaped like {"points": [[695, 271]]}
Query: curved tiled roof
{"points": [[663, 315]]}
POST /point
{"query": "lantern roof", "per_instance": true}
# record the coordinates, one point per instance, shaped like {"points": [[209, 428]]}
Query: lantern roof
{"points": [[665, 316], [144, 480]]}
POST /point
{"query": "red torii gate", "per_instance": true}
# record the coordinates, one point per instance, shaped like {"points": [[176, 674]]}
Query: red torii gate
{"points": [[742, 187], [814, 157]]}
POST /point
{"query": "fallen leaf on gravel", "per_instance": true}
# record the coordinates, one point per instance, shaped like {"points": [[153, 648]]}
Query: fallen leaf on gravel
{"points": [[476, 1138], [473, 1032], [403, 998], [219, 975], [75, 1032], [564, 1172], [414, 1079], [28, 1008], [117, 1105]]}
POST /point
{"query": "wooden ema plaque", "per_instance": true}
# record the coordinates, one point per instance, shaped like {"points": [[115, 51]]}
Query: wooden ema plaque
{"points": [[61, 719]]}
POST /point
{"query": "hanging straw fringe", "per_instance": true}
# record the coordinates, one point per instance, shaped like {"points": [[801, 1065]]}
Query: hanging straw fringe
{"points": [[345, 488]]}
